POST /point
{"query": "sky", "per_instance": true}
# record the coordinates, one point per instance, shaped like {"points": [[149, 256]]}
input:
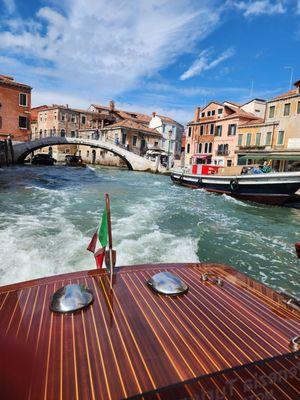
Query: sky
{"points": [[167, 56]]}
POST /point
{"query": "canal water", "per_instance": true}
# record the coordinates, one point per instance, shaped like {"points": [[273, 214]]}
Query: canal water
{"points": [[49, 214]]}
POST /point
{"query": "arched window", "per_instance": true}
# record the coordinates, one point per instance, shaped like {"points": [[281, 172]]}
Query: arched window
{"points": [[188, 148], [62, 133]]}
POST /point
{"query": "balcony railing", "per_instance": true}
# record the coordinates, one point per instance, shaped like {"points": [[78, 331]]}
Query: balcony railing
{"points": [[252, 147], [222, 153]]}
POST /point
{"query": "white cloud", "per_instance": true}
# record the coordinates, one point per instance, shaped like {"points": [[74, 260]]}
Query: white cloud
{"points": [[10, 6], [204, 63], [105, 48], [259, 7]]}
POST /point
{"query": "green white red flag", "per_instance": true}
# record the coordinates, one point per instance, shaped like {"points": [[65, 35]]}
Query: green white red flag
{"points": [[100, 235]]}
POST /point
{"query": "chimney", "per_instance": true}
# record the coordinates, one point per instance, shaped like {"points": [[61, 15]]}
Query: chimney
{"points": [[154, 114], [112, 105], [197, 114]]}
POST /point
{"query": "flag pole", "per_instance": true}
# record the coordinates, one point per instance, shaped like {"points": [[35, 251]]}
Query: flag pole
{"points": [[109, 238]]}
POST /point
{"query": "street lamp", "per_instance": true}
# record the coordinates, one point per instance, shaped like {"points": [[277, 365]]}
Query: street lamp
{"points": [[169, 148]]}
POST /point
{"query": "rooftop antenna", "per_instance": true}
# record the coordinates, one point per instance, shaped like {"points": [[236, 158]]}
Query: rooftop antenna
{"points": [[291, 78]]}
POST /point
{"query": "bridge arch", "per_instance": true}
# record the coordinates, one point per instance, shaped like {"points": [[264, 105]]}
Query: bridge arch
{"points": [[132, 161]]}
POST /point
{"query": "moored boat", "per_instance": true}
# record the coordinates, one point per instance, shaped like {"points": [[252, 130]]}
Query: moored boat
{"points": [[74, 161], [267, 188]]}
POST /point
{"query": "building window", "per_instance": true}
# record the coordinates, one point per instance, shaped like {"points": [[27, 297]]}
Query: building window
{"points": [[87, 153], [229, 163], [257, 139], [188, 148], [287, 109], [23, 122], [280, 137], [123, 138], [213, 112], [248, 139], [201, 130], [231, 129], [208, 113], [63, 117], [134, 140], [83, 119], [220, 110], [240, 140], [212, 129], [203, 115], [209, 147], [271, 111], [23, 99], [205, 147], [268, 138], [190, 131], [73, 118], [219, 130], [200, 147], [298, 108]]}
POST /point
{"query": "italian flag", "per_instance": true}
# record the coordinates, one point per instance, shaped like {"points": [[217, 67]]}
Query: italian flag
{"points": [[102, 235]]}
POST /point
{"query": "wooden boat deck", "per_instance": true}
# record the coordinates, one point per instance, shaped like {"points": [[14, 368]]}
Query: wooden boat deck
{"points": [[134, 343]]}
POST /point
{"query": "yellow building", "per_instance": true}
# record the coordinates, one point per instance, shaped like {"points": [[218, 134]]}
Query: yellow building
{"points": [[276, 137]]}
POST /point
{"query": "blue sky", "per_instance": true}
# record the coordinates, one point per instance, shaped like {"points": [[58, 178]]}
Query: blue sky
{"points": [[166, 56]]}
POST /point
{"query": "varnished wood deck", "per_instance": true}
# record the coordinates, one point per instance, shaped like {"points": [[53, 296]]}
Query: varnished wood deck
{"points": [[134, 343]]}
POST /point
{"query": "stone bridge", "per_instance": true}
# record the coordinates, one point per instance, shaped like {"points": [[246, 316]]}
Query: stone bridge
{"points": [[133, 161]]}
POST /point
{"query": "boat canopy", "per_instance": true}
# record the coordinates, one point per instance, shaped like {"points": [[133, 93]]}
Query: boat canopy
{"points": [[257, 156]]}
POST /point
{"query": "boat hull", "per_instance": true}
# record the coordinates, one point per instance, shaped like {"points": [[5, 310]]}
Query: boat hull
{"points": [[274, 189]]}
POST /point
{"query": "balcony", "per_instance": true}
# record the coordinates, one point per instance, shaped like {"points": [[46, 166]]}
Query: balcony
{"points": [[222, 153], [252, 147]]}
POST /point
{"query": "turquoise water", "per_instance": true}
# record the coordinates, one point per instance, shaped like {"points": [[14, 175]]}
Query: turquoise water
{"points": [[48, 215]]}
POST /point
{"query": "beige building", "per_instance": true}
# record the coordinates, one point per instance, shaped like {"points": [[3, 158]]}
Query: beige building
{"points": [[124, 128], [276, 138], [64, 121], [126, 133]]}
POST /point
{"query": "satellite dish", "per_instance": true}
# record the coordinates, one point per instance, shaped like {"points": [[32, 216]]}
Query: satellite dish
{"points": [[167, 283], [71, 298]]}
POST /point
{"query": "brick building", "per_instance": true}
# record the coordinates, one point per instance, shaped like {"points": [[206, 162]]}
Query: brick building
{"points": [[15, 106]]}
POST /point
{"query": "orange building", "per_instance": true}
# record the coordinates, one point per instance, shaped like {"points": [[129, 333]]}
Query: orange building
{"points": [[212, 135], [15, 106]]}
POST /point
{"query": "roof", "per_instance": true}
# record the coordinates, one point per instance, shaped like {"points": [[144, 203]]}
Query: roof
{"points": [[250, 101], [290, 93], [169, 120], [258, 121], [64, 107], [131, 124], [133, 343], [233, 102], [9, 81]]}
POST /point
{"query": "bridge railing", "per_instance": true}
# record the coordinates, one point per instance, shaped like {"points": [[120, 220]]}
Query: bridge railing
{"points": [[93, 135]]}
